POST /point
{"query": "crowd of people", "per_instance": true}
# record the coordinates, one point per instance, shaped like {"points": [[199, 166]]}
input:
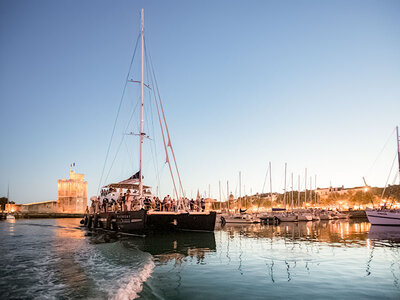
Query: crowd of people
{"points": [[112, 200]]}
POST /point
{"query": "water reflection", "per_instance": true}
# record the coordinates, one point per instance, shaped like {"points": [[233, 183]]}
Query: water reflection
{"points": [[164, 247], [331, 259], [335, 233], [385, 234]]}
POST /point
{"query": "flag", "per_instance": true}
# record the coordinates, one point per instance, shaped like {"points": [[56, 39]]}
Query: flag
{"points": [[72, 165]]}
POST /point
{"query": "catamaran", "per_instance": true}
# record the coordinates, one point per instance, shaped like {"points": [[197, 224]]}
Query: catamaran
{"points": [[386, 216], [140, 216]]}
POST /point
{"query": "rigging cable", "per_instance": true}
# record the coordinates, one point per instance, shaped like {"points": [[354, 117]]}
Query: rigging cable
{"points": [[150, 112], [265, 180], [122, 139], [118, 111], [166, 126], [390, 172], [380, 153], [165, 146]]}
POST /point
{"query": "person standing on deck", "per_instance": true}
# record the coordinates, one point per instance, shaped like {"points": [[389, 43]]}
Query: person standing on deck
{"points": [[192, 204], [105, 203], [163, 201], [168, 203], [123, 202], [173, 205], [128, 199], [198, 204]]}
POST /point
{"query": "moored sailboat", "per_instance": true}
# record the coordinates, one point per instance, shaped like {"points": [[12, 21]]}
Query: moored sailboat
{"points": [[386, 216], [129, 206]]}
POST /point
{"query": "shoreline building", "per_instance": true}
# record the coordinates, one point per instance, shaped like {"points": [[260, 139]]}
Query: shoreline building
{"points": [[72, 198], [72, 193]]}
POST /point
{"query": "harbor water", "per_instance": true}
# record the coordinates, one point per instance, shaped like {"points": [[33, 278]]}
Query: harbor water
{"points": [[56, 258]]}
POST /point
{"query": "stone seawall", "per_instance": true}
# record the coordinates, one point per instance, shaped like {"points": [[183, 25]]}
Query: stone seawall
{"points": [[46, 215]]}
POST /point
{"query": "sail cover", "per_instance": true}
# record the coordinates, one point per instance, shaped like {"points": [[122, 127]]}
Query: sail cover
{"points": [[131, 183]]}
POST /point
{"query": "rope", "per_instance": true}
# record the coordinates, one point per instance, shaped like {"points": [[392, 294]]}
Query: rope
{"points": [[387, 180], [166, 126], [118, 111], [122, 139], [153, 143], [380, 153], [265, 180]]}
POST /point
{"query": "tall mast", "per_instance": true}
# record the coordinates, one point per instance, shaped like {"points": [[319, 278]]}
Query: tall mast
{"points": [[270, 182], [227, 192], [141, 111], [240, 190], [292, 193], [315, 189], [305, 187], [398, 148], [284, 189], [298, 194]]}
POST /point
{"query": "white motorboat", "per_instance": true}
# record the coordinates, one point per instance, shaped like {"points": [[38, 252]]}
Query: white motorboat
{"points": [[383, 217], [287, 218], [239, 219], [325, 216], [316, 217], [304, 217], [339, 215]]}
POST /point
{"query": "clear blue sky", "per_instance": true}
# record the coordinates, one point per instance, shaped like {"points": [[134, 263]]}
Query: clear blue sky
{"points": [[315, 84]]}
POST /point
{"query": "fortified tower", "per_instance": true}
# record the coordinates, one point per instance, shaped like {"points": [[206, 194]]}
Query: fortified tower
{"points": [[72, 193]]}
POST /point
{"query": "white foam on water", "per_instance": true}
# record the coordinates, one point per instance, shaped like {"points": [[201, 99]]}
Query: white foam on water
{"points": [[134, 286]]}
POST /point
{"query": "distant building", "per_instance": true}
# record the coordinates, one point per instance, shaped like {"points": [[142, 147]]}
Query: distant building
{"points": [[72, 198], [325, 192], [72, 193]]}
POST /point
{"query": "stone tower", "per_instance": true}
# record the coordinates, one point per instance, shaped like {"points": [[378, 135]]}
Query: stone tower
{"points": [[72, 193]]}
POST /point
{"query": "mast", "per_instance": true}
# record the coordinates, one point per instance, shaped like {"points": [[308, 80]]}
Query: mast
{"points": [[298, 194], [141, 113], [315, 190], [305, 187], [227, 192], [292, 193], [398, 148], [240, 190], [284, 189], [270, 182]]}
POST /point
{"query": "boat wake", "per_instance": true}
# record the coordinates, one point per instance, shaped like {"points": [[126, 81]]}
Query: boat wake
{"points": [[135, 285]]}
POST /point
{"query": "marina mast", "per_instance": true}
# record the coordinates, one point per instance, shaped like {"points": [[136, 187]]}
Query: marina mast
{"points": [[398, 148], [141, 114], [270, 182], [284, 189]]}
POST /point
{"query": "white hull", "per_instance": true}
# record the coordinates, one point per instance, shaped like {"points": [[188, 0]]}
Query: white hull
{"points": [[382, 217], [240, 219], [305, 218], [316, 218], [325, 217], [287, 218]]}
